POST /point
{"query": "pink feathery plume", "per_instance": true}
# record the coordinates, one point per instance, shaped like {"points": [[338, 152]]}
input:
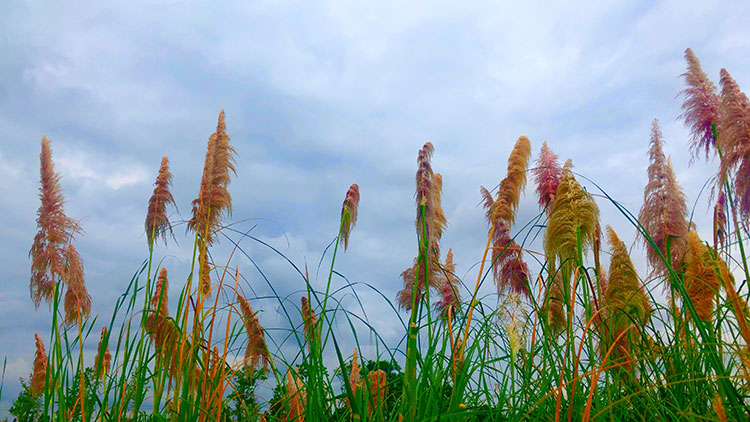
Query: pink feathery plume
{"points": [[700, 109], [157, 223], [448, 288], [349, 213], [734, 140], [547, 176]]}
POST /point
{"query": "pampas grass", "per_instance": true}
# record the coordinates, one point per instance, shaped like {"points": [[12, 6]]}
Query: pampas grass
{"points": [[157, 224]]}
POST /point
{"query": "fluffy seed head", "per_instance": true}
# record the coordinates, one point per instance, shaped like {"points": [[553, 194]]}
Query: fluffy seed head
{"points": [[77, 298], [448, 287], [103, 357], [214, 201], [734, 140], [378, 384], [157, 223], [625, 295], [509, 193], [160, 298], [349, 213], [702, 282], [309, 319], [554, 303], [720, 220], [256, 352], [354, 375], [296, 398], [664, 210], [39, 376], [547, 176], [700, 108], [55, 231]]}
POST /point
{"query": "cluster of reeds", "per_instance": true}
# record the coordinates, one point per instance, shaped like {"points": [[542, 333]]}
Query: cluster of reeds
{"points": [[578, 336]]}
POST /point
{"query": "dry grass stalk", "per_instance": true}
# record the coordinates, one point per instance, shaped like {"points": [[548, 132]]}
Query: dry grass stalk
{"points": [[349, 214], [157, 223], [256, 352], [103, 357], [39, 376], [77, 298], [700, 109], [56, 230], [734, 140], [664, 210]]}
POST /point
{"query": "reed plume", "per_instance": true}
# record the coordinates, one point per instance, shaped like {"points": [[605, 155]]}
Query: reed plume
{"points": [[574, 210], [702, 282], [349, 214], [547, 176], [309, 319], [554, 303], [430, 224], [625, 299], [214, 201], [77, 298], [720, 221], [39, 376], [157, 223], [296, 397], [377, 382], [448, 286], [56, 230], [734, 140], [256, 352], [204, 271], [355, 373], [509, 269], [160, 298], [512, 317], [700, 108], [103, 357], [663, 214]]}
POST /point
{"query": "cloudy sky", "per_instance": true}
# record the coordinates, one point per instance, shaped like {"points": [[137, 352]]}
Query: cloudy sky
{"points": [[319, 97]]}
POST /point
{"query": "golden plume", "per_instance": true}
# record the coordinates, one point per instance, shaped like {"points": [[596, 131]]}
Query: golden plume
{"points": [[39, 376], [56, 230], [554, 303], [509, 193], [309, 319], [574, 209], [296, 397], [702, 282], [256, 352], [157, 223], [354, 374], [103, 357]]}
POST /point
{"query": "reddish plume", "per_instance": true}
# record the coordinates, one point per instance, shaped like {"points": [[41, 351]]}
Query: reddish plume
{"points": [[309, 319], [700, 109], [547, 176], [734, 140], [103, 357], [664, 211], [720, 220], [77, 298], [157, 223], [349, 213], [39, 376], [448, 287], [56, 230], [214, 201], [256, 352]]}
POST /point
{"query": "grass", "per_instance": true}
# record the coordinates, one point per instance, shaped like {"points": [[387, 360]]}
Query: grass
{"points": [[469, 361]]}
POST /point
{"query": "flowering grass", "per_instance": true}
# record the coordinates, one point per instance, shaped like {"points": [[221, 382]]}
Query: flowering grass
{"points": [[573, 341]]}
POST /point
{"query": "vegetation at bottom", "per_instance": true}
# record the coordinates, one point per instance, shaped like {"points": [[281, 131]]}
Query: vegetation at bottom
{"points": [[584, 336]]}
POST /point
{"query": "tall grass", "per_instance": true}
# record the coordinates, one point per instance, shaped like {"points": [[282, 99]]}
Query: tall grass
{"points": [[573, 341]]}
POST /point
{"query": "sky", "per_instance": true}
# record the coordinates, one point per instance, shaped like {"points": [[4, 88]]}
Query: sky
{"points": [[320, 95]]}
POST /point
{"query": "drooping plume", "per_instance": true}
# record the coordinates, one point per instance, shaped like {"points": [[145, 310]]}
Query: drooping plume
{"points": [[103, 357], [547, 176], [700, 109], [56, 230], [349, 213], [214, 201], [573, 209], [663, 214], [256, 352], [157, 223], [734, 140], [77, 298], [701, 280], [509, 269], [39, 376]]}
